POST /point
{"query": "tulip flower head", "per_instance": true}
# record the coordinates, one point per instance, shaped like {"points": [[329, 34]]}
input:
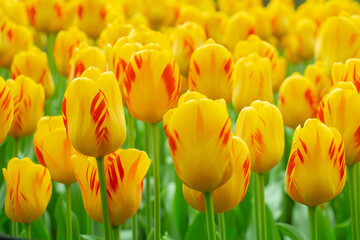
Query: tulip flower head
{"points": [[93, 113], [29, 99], [229, 195], [214, 25], [6, 109], [210, 71], [315, 172], [339, 109], [53, 149], [28, 190], [124, 174], [252, 79], [34, 64], [151, 84], [348, 72], [261, 127], [199, 137], [113, 32], [297, 100], [317, 74]]}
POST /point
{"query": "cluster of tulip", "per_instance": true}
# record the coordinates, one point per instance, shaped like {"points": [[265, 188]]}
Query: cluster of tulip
{"points": [[190, 65]]}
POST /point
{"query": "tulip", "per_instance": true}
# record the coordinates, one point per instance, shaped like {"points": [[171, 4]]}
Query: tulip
{"points": [[28, 190], [229, 195], [214, 25], [113, 32], [13, 38], [93, 114], [266, 144], [15, 11], [239, 27], [124, 174], [6, 109], [185, 39], [297, 100], [65, 43], [262, 22], [145, 35], [83, 57], [189, 13], [91, 16], [280, 17], [151, 85], [252, 79], [348, 72], [34, 64], [337, 41], [46, 15], [29, 98], [255, 45], [317, 74], [210, 71]]}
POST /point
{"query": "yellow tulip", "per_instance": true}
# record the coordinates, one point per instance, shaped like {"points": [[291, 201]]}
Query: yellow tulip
{"points": [[229, 195], [124, 174], [65, 43], [262, 22], [214, 25], [198, 134], [93, 114], [337, 41], [151, 84], [29, 99], [185, 39], [145, 35], [15, 11], [189, 13], [297, 100], [6, 109], [34, 64], [239, 27], [315, 172], [261, 127], [113, 32], [348, 72], [210, 71], [280, 17], [337, 109], [230, 7], [53, 149], [317, 74], [266, 50], [91, 16], [252, 79], [83, 57], [46, 15], [28, 190], [13, 38]]}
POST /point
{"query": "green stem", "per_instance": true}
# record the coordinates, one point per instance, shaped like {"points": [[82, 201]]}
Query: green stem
{"points": [[116, 232], [68, 213], [148, 185], [134, 226], [210, 220], [103, 194], [256, 204], [14, 229], [16, 147], [312, 223], [353, 202], [28, 231], [154, 134], [89, 229], [262, 207], [221, 219]]}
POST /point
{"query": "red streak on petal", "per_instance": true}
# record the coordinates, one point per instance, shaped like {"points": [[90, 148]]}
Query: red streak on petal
{"points": [[196, 67], [223, 128], [102, 12], [80, 11], [172, 143], [168, 76], [228, 65], [303, 145], [357, 137], [120, 167], [138, 60], [129, 77], [9, 34], [300, 155]]}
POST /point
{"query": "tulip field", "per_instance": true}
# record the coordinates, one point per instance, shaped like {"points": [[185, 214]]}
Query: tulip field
{"points": [[180, 119]]}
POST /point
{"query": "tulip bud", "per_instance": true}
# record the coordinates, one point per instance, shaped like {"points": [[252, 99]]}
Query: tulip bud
{"points": [[151, 85], [229, 195], [15, 11], [315, 172], [189, 13], [34, 64], [297, 100], [144, 36], [214, 25], [29, 98], [348, 72], [113, 32], [337, 109], [204, 123], [261, 127], [210, 71], [252, 80], [53, 149], [28, 190], [6, 109], [65, 43], [83, 57], [280, 17], [317, 74], [124, 174]]}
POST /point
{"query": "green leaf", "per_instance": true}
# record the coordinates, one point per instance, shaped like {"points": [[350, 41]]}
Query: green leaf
{"points": [[323, 224], [38, 229], [290, 231], [60, 215], [77, 206], [180, 210], [272, 231], [342, 231], [89, 237], [198, 228]]}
